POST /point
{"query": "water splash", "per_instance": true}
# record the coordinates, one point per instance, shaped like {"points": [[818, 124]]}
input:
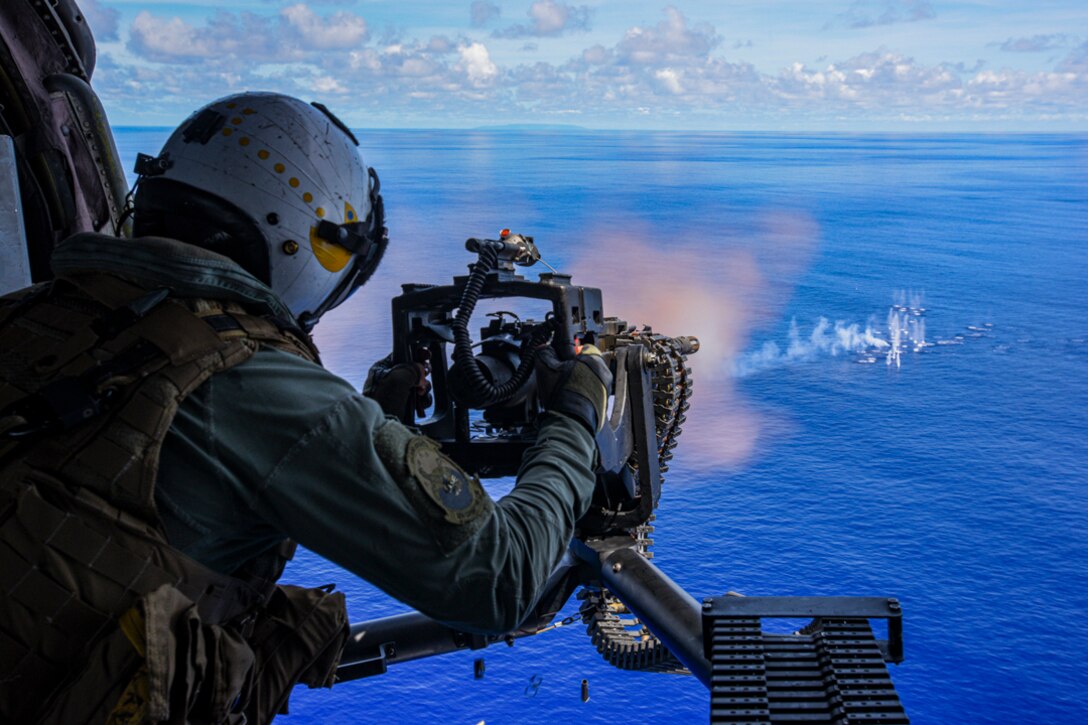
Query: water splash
{"points": [[906, 332], [895, 336], [825, 339]]}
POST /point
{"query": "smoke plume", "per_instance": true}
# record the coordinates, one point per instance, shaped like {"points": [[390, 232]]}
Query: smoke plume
{"points": [[720, 297]]}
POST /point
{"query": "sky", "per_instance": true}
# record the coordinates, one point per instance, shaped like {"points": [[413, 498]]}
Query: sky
{"points": [[733, 65]]}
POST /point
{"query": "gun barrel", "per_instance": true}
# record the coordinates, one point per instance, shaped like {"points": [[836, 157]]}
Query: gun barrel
{"points": [[688, 344]]}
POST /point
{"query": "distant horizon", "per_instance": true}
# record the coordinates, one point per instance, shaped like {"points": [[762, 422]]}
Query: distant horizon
{"points": [[752, 131], [852, 66]]}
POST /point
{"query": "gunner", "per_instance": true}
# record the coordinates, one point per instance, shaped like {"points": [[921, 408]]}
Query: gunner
{"points": [[167, 430]]}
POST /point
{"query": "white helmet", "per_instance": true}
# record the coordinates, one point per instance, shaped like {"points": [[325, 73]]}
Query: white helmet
{"points": [[278, 186]]}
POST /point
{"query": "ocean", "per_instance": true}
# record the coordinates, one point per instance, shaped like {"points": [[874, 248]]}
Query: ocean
{"points": [[953, 475]]}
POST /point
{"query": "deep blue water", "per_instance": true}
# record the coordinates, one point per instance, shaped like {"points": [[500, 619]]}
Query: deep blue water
{"points": [[957, 482]]}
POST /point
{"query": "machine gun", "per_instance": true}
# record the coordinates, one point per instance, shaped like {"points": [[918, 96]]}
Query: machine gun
{"points": [[486, 405], [54, 183], [484, 412]]}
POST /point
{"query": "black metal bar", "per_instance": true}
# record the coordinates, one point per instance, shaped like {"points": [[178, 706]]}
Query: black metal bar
{"points": [[668, 611], [374, 645], [828, 607], [786, 607]]}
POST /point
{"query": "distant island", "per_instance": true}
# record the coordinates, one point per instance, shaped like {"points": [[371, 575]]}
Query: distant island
{"points": [[531, 127]]}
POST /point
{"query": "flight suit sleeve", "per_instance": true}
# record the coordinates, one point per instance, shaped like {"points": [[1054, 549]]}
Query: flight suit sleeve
{"points": [[364, 492]]}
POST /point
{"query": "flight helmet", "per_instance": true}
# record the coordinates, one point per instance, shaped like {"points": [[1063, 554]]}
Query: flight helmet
{"points": [[277, 185]]}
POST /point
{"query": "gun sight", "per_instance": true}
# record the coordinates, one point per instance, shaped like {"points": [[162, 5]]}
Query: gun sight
{"points": [[511, 249]]}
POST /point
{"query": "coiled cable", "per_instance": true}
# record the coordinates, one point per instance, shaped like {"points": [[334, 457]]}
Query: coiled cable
{"points": [[478, 391]]}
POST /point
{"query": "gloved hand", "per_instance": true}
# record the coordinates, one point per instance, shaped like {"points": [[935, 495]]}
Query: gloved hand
{"points": [[401, 389], [578, 388]]}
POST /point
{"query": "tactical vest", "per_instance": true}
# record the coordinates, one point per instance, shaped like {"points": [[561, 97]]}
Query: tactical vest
{"points": [[101, 620]]}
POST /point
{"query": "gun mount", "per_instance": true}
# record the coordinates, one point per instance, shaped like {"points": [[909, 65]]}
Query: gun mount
{"points": [[484, 411], [830, 671], [485, 400]]}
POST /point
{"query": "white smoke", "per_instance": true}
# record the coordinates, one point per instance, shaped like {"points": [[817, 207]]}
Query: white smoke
{"points": [[906, 332], [826, 338]]}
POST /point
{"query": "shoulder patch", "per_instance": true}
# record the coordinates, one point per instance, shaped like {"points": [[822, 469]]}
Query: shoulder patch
{"points": [[453, 490], [452, 505]]}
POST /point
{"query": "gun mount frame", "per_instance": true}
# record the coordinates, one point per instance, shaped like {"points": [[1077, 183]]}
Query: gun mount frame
{"points": [[719, 641], [671, 613], [831, 671], [423, 320], [629, 470]]}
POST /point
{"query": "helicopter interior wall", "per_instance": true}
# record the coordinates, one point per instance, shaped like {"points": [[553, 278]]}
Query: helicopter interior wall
{"points": [[68, 170]]}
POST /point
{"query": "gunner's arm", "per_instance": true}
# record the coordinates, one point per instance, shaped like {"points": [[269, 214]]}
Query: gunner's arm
{"points": [[362, 491]]}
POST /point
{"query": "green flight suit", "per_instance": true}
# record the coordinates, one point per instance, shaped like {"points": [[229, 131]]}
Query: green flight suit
{"points": [[279, 446], [100, 537]]}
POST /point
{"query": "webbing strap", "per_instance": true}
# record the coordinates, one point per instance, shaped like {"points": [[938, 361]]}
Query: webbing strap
{"points": [[66, 574], [273, 332], [113, 292], [171, 327], [13, 303]]}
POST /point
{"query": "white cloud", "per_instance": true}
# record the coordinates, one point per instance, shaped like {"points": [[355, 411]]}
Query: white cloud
{"points": [[1076, 61], [672, 60], [870, 80], [289, 36], [294, 52], [549, 18], [670, 81], [671, 69], [173, 39], [596, 55], [340, 30], [880, 81], [477, 64], [1014, 89], [440, 44], [327, 84], [670, 39]]}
